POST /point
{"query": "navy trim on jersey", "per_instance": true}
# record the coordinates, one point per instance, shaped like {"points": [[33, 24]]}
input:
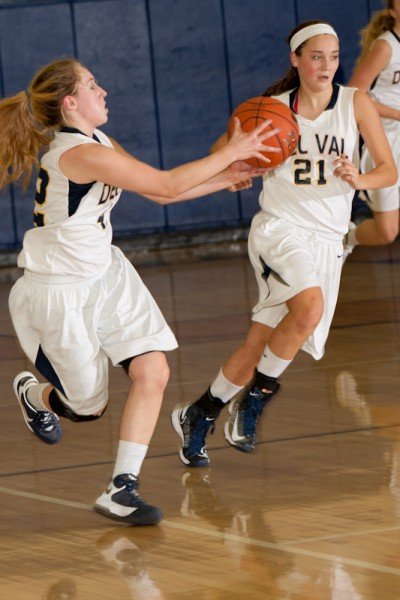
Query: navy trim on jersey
{"points": [[65, 129], [373, 84], [292, 98], [395, 35], [332, 101], [76, 191]]}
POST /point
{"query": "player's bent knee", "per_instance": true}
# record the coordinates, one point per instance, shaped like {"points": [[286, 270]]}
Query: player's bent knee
{"points": [[157, 376], [307, 319], [389, 234], [63, 410], [163, 373], [150, 369]]}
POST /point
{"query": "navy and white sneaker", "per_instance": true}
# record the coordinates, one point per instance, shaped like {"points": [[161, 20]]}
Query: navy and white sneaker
{"points": [[121, 502], [193, 426], [240, 429], [44, 424]]}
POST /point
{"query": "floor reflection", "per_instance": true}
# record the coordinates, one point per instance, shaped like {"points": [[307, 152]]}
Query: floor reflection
{"points": [[275, 572], [65, 589], [125, 549], [377, 416]]}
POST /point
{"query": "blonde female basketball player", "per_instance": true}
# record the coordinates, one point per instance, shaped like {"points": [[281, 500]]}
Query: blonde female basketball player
{"points": [[295, 243], [378, 72], [80, 302]]}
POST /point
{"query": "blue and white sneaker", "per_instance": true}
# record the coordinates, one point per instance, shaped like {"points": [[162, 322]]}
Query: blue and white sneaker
{"points": [[193, 427], [240, 429], [44, 424], [121, 502]]}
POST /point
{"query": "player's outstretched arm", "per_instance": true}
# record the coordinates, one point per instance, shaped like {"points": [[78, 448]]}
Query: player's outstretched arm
{"points": [[95, 162], [237, 174]]}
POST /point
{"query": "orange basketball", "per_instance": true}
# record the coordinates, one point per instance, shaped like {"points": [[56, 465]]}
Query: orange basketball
{"points": [[252, 112]]}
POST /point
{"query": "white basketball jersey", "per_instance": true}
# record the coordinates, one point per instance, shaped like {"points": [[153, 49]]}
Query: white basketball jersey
{"points": [[386, 88], [72, 234], [303, 190]]}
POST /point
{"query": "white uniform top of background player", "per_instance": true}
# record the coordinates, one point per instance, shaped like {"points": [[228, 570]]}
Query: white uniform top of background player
{"points": [[377, 72], [386, 89]]}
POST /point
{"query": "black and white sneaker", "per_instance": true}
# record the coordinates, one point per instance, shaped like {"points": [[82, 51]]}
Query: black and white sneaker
{"points": [[44, 424], [240, 429], [193, 427], [121, 502]]}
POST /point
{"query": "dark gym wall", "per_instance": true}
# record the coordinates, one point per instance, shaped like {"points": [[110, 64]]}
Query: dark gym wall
{"points": [[173, 70]]}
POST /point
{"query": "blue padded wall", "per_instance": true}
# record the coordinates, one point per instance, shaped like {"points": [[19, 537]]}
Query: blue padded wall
{"points": [[191, 81], [257, 55], [113, 42], [30, 36], [173, 70]]}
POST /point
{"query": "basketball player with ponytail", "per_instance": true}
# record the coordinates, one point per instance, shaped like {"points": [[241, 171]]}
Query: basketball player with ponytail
{"points": [[378, 72], [296, 240], [80, 302]]}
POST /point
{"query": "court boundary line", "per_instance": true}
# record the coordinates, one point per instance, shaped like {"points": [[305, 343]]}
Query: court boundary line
{"points": [[231, 537]]}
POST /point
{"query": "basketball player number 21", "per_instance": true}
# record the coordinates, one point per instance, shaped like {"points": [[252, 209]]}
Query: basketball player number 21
{"points": [[303, 171]]}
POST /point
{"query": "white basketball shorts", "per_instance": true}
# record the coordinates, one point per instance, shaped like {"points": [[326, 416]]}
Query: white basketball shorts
{"points": [[71, 330], [385, 199], [287, 260]]}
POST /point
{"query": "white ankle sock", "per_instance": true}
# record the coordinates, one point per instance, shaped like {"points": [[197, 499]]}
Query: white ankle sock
{"points": [[34, 395], [271, 365], [129, 458], [223, 389]]}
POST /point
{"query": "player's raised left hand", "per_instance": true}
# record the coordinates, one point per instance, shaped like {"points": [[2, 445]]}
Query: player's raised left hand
{"points": [[347, 171]]}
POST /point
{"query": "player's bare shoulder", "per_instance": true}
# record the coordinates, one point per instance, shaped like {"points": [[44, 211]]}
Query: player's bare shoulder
{"points": [[77, 163], [364, 107]]}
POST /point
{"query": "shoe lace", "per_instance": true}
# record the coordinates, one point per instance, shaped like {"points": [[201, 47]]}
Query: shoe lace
{"points": [[131, 484], [201, 429], [253, 406], [46, 419], [131, 487], [129, 496]]}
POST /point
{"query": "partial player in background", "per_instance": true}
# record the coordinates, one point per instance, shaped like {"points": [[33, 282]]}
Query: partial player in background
{"points": [[80, 303], [378, 72], [296, 241]]}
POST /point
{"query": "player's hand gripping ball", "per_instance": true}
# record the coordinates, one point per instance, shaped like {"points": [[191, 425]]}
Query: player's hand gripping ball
{"points": [[252, 112]]}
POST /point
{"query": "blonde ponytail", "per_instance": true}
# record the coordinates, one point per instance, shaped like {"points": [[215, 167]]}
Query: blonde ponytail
{"points": [[20, 140], [28, 119], [380, 22]]}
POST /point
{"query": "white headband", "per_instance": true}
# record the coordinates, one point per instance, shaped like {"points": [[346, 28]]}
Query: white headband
{"points": [[309, 32]]}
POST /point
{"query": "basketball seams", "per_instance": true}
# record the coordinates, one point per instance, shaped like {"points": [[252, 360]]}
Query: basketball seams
{"points": [[254, 111], [265, 164], [265, 111]]}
